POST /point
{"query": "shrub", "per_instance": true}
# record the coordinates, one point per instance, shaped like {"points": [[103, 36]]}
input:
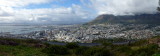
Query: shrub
{"points": [[124, 48], [72, 45], [146, 50], [56, 50], [32, 41], [97, 52], [81, 50], [156, 54]]}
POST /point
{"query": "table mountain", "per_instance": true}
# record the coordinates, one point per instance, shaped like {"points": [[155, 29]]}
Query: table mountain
{"points": [[128, 19]]}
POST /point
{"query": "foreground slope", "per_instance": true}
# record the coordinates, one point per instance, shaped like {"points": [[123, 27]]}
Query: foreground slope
{"points": [[29, 47]]}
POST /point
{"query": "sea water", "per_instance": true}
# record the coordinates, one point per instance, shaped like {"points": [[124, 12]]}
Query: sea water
{"points": [[21, 29]]}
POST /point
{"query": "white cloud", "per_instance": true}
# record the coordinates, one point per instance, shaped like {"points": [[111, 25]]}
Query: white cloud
{"points": [[71, 14], [19, 3], [124, 7], [13, 11]]}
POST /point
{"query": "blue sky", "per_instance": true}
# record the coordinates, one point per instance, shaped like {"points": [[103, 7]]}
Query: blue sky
{"points": [[69, 11], [52, 4]]}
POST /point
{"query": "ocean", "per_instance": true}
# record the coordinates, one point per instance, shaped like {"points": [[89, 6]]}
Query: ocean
{"points": [[21, 29]]}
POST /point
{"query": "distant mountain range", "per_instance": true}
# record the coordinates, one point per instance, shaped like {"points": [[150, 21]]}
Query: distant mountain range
{"points": [[128, 19]]}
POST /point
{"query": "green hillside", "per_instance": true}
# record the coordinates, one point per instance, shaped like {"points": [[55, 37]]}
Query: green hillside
{"points": [[29, 47]]}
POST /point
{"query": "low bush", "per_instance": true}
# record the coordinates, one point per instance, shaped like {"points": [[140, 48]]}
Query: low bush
{"points": [[72, 45], [56, 50]]}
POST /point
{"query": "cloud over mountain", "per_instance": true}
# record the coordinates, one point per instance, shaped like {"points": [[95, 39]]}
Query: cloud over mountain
{"points": [[123, 7]]}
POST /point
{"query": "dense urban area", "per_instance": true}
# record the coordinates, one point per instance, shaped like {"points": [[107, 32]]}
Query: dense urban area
{"points": [[95, 40], [88, 33]]}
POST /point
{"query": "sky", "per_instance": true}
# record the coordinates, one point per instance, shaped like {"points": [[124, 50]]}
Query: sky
{"points": [[69, 11]]}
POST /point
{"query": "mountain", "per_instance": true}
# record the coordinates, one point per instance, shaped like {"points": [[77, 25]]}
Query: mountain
{"points": [[128, 19]]}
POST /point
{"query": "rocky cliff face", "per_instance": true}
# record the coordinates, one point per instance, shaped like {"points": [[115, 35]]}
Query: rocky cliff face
{"points": [[128, 19]]}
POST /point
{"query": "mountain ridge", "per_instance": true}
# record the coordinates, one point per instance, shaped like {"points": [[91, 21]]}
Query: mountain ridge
{"points": [[128, 19]]}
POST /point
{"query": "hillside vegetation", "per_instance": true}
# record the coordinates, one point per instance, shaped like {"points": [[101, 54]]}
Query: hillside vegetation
{"points": [[29, 47]]}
